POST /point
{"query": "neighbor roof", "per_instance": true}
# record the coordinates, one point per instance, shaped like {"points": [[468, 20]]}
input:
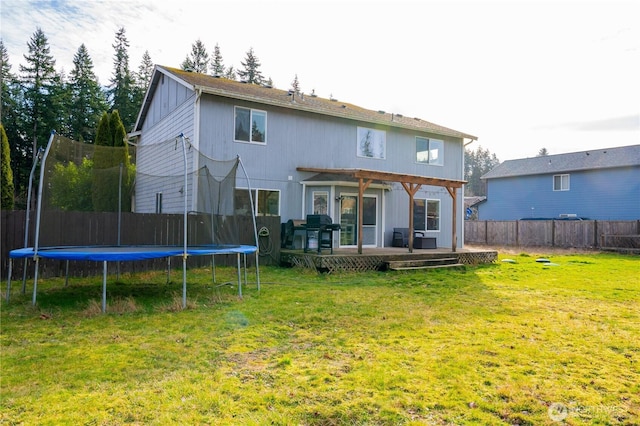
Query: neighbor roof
{"points": [[624, 156], [304, 102]]}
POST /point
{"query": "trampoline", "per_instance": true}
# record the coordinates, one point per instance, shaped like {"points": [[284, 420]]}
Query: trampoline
{"points": [[107, 254], [202, 191]]}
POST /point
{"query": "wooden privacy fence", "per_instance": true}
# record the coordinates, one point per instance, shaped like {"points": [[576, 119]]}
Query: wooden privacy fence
{"points": [[553, 233], [93, 228]]}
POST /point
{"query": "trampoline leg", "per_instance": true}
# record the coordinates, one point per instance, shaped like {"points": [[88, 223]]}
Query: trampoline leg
{"points": [[104, 286], [244, 255], [168, 270], [66, 274], [184, 282], [239, 279], [24, 276], [35, 281], [9, 280], [257, 272], [213, 268]]}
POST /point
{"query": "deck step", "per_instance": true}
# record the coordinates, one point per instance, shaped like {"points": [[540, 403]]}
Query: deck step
{"points": [[408, 268], [440, 262]]}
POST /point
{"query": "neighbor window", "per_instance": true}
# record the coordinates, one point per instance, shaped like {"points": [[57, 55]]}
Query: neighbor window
{"points": [[429, 151], [250, 125], [561, 182], [266, 202], [426, 215]]}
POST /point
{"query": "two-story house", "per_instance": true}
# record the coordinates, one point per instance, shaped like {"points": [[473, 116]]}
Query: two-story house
{"points": [[370, 171], [599, 184]]}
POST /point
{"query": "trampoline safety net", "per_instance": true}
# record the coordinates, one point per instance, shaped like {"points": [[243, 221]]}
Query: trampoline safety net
{"points": [[139, 195]]}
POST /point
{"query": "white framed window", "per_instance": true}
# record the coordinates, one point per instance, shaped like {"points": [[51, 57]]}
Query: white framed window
{"points": [[250, 125], [561, 182], [429, 151], [266, 202], [426, 215], [371, 143]]}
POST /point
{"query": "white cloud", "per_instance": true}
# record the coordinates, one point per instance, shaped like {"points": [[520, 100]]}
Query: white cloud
{"points": [[509, 72]]}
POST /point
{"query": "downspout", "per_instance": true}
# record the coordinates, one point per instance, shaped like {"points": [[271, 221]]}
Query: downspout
{"points": [[304, 195], [195, 142], [196, 119], [464, 146]]}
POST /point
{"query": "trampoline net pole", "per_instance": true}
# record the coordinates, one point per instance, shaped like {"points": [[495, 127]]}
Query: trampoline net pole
{"points": [[253, 217]]}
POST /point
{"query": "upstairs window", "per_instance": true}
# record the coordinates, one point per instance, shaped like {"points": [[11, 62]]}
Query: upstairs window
{"points": [[560, 182], [372, 143], [250, 125], [429, 151]]}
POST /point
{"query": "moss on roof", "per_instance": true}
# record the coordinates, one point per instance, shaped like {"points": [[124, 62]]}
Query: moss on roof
{"points": [[221, 86]]}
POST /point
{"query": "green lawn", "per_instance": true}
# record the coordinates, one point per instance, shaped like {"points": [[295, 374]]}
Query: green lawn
{"points": [[508, 343]]}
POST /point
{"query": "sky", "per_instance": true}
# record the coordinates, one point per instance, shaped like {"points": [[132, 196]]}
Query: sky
{"points": [[520, 75]]}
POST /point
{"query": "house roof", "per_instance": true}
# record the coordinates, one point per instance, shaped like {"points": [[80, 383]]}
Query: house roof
{"points": [[474, 200], [624, 156], [286, 99]]}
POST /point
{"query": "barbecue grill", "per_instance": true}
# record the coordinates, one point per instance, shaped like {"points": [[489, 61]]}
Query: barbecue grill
{"points": [[319, 232]]}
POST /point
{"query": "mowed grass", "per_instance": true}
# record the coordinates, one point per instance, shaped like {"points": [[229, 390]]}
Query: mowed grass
{"points": [[507, 343]]}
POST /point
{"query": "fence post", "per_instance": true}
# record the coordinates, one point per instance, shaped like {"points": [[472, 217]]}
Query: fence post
{"points": [[486, 231]]}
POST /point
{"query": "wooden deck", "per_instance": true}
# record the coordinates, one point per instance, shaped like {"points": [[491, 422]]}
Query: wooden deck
{"points": [[379, 259]]}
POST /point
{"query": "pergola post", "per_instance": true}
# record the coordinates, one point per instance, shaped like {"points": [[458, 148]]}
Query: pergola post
{"points": [[454, 232], [362, 186], [411, 189]]}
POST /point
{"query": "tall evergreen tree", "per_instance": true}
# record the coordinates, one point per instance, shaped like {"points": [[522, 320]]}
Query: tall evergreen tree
{"points": [[231, 73], [111, 151], [251, 72], [61, 95], [121, 89], [145, 71], [10, 101], [295, 84], [6, 191], [142, 79], [198, 59], [477, 163], [88, 101], [217, 64], [39, 81]]}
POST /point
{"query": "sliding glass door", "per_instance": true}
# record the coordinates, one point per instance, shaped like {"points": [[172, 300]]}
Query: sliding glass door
{"points": [[349, 220]]}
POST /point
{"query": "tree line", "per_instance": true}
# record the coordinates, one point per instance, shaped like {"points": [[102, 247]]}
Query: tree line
{"points": [[39, 99]]}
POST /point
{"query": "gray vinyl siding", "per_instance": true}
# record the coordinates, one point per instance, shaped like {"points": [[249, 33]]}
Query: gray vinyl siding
{"points": [[299, 139], [162, 124]]}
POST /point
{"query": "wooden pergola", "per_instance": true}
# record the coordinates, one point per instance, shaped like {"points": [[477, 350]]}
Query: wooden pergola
{"points": [[410, 183]]}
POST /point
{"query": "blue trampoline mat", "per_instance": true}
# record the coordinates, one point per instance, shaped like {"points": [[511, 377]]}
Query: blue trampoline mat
{"points": [[124, 253]]}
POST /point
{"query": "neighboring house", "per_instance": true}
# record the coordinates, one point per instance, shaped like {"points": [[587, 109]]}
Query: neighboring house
{"points": [[309, 155], [600, 184]]}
